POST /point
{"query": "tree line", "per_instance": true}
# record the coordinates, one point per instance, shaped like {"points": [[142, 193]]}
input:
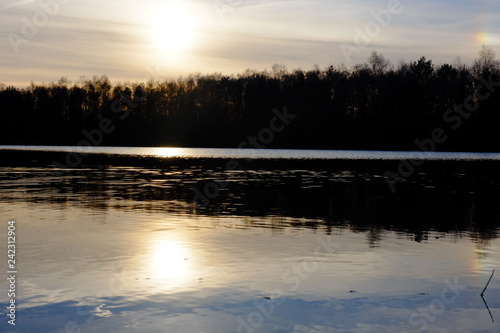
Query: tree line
{"points": [[375, 105]]}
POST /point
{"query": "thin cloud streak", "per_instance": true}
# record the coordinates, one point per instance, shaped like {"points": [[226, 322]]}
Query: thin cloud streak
{"points": [[115, 37]]}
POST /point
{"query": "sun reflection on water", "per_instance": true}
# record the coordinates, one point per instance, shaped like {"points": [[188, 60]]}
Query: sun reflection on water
{"points": [[168, 152], [170, 263]]}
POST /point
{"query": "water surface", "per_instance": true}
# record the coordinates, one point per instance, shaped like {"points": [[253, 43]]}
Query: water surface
{"points": [[320, 248], [229, 153]]}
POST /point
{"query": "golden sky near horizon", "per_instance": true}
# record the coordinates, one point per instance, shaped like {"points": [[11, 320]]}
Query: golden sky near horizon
{"points": [[45, 40]]}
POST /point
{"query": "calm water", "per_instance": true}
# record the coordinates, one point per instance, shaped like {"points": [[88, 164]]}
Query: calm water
{"points": [[188, 245], [262, 153]]}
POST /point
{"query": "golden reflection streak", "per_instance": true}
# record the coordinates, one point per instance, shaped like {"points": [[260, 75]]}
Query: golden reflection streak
{"points": [[168, 152]]}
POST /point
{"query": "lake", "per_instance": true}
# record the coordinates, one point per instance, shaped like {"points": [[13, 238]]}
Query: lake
{"points": [[116, 239]]}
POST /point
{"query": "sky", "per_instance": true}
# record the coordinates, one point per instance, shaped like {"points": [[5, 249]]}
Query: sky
{"points": [[44, 40]]}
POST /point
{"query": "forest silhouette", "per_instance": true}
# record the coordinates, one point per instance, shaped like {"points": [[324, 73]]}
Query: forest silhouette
{"points": [[373, 106]]}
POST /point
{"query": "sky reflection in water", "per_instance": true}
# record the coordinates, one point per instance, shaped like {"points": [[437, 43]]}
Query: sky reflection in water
{"points": [[125, 249]]}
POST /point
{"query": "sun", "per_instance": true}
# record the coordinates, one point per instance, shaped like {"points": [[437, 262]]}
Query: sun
{"points": [[173, 26]]}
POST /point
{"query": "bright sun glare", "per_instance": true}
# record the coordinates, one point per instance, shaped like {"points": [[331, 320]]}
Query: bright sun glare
{"points": [[173, 27], [169, 263]]}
